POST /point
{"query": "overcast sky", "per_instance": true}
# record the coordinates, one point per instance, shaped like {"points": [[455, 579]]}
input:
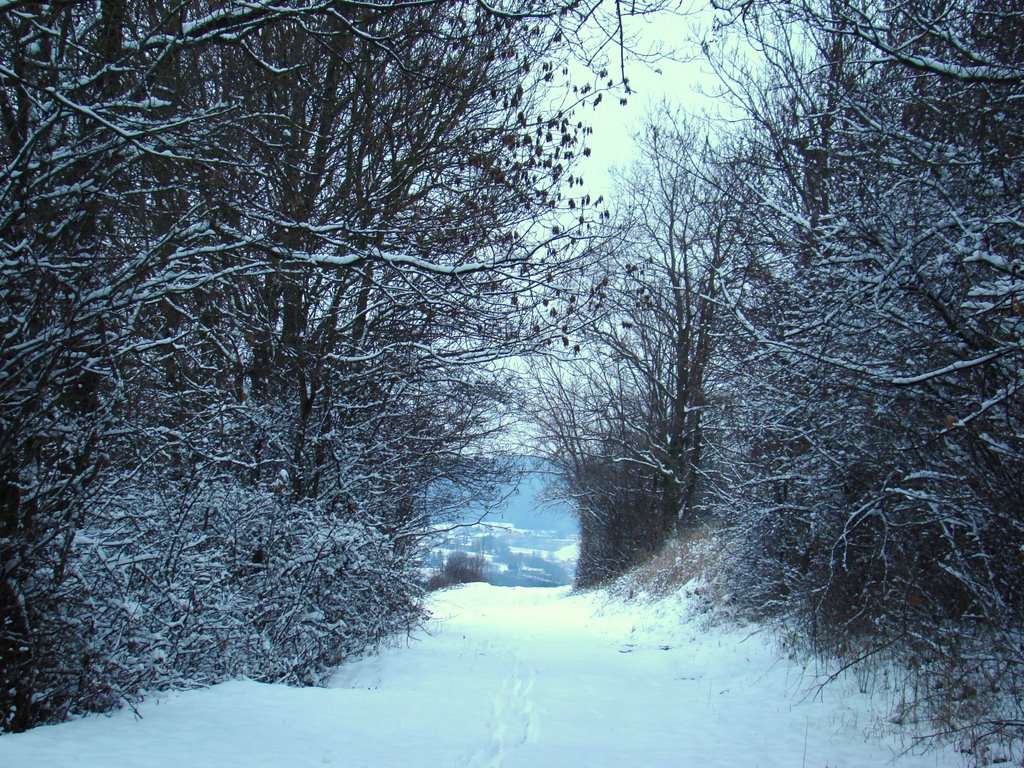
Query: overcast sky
{"points": [[680, 79]]}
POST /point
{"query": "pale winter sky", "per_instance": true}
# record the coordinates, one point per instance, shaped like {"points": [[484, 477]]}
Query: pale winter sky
{"points": [[680, 77]]}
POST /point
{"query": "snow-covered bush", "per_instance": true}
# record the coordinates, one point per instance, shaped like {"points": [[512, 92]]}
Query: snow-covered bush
{"points": [[458, 568], [178, 586], [878, 494]]}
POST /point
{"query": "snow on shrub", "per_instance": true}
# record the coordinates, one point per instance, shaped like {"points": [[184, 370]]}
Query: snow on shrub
{"points": [[173, 587]]}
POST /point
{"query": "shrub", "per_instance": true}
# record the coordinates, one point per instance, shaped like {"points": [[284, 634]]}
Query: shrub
{"points": [[458, 568]]}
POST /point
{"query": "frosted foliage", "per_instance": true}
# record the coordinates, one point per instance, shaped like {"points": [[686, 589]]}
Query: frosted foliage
{"points": [[256, 265], [877, 492], [177, 588]]}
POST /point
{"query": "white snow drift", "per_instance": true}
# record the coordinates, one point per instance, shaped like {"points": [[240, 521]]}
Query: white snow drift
{"points": [[509, 677]]}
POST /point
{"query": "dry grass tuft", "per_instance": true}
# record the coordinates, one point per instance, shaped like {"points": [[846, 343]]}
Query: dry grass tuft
{"points": [[692, 562]]}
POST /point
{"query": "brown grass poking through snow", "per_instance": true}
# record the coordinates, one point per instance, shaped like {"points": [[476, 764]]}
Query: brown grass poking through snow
{"points": [[694, 560]]}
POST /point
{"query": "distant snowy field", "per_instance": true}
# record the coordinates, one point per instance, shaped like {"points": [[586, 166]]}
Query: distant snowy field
{"points": [[527, 540], [503, 678]]}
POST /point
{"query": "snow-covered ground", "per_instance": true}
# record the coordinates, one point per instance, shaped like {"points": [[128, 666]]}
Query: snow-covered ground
{"points": [[508, 677]]}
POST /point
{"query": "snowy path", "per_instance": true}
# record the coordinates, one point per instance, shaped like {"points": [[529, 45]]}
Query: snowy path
{"points": [[508, 678]]}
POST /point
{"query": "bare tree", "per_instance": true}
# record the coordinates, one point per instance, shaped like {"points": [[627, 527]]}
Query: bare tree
{"points": [[632, 410]]}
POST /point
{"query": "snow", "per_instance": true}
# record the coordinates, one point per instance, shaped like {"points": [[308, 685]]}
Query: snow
{"points": [[508, 677], [568, 554]]}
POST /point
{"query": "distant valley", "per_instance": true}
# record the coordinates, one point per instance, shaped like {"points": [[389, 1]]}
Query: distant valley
{"points": [[528, 542]]}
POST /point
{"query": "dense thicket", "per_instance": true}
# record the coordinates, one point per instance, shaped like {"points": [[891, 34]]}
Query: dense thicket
{"points": [[886, 145], [255, 259], [867, 416]]}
